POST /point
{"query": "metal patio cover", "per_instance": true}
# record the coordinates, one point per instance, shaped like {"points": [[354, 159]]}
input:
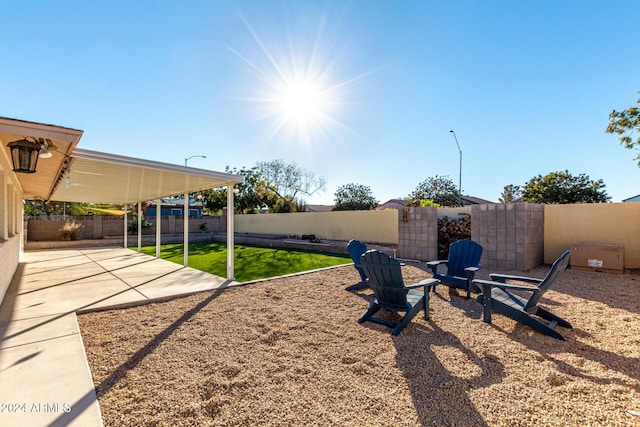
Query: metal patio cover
{"points": [[96, 177], [107, 178]]}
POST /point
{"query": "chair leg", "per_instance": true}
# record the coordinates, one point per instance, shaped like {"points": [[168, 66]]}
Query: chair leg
{"points": [[373, 309], [426, 305], [485, 300], [357, 286], [526, 319], [547, 315], [407, 318], [543, 328]]}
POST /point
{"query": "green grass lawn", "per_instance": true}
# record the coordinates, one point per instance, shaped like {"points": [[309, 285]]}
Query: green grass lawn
{"points": [[251, 263]]}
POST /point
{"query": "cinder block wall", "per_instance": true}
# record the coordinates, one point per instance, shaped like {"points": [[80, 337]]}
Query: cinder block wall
{"points": [[112, 226], [418, 233], [512, 235], [175, 224], [104, 226]]}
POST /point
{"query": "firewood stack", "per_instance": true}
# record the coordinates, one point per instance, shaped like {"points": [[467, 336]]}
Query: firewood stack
{"points": [[451, 230]]}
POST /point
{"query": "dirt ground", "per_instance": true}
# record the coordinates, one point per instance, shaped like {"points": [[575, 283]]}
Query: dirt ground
{"points": [[289, 351]]}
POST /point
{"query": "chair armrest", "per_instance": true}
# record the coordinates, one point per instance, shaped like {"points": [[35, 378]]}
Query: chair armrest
{"points": [[425, 283], [471, 271], [502, 278], [491, 284], [433, 265], [486, 286]]}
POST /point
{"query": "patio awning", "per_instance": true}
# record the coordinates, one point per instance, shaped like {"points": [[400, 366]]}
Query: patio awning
{"points": [[108, 178], [70, 174], [96, 177]]}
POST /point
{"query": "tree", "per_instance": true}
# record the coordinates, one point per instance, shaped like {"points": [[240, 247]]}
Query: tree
{"points": [[285, 183], [354, 197], [35, 207], [250, 197], [510, 193], [214, 200], [439, 189], [563, 188], [624, 123]]}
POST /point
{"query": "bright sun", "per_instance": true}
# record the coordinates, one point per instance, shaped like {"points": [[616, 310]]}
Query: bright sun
{"points": [[298, 95], [302, 103]]}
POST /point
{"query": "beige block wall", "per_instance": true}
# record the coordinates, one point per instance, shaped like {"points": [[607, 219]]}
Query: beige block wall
{"points": [[367, 226], [617, 223], [453, 212]]}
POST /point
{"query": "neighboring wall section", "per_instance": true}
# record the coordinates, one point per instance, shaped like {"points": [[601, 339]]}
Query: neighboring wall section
{"points": [[617, 223], [103, 226], [511, 235], [368, 226]]}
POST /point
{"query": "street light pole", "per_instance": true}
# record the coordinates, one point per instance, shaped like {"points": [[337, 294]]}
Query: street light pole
{"points": [[460, 178], [187, 158]]}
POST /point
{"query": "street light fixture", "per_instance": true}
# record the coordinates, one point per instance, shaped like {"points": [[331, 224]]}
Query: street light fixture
{"points": [[187, 159], [460, 178]]}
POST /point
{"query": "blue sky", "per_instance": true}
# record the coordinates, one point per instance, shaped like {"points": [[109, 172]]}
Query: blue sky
{"points": [[356, 91]]}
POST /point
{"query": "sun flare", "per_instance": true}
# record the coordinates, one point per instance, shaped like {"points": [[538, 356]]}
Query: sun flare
{"points": [[302, 103], [295, 85]]}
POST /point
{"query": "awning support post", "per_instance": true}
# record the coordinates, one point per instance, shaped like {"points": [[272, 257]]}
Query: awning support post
{"points": [[186, 229], [126, 244], [139, 227], [230, 228], [158, 222]]}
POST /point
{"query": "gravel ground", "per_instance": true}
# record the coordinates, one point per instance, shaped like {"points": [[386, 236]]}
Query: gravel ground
{"points": [[289, 351]]}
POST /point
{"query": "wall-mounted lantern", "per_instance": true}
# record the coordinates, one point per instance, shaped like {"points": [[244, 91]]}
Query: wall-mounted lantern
{"points": [[24, 155]]}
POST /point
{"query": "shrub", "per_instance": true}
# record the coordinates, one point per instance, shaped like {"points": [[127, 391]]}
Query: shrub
{"points": [[69, 230], [132, 227], [428, 202]]}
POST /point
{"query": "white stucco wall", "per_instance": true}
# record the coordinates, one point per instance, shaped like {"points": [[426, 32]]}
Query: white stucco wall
{"points": [[11, 225]]}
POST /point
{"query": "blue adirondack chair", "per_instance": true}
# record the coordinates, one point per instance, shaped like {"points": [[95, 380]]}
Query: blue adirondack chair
{"points": [[385, 279], [463, 262], [356, 249], [496, 296]]}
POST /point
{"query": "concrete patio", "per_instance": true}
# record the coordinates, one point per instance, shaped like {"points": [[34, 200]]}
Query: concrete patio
{"points": [[44, 373]]}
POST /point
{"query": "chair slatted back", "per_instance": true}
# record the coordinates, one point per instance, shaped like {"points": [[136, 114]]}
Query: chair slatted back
{"points": [[557, 268], [463, 254], [356, 249], [385, 279]]}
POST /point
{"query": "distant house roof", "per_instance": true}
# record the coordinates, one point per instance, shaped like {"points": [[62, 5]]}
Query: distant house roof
{"points": [[632, 199], [401, 203], [176, 202], [392, 204], [470, 200], [318, 208]]}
